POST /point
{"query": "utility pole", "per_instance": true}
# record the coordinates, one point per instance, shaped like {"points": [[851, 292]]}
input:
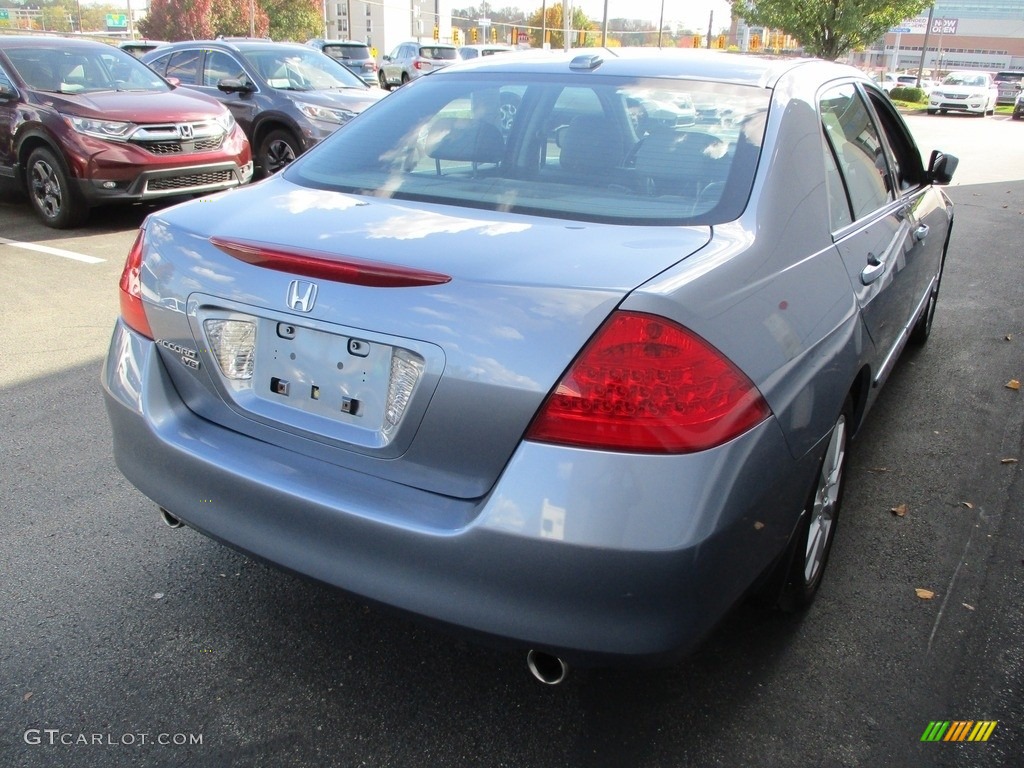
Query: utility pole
{"points": [[711, 21]]}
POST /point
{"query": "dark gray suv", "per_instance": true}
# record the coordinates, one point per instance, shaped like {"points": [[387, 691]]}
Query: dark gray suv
{"points": [[286, 96]]}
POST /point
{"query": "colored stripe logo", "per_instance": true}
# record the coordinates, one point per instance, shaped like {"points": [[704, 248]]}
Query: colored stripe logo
{"points": [[959, 730]]}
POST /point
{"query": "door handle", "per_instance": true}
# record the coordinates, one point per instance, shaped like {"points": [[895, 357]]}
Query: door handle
{"points": [[873, 270], [921, 232]]}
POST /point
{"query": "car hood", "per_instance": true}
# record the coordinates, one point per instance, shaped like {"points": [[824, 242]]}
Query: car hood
{"points": [[353, 99], [140, 107], [962, 90], [524, 295]]}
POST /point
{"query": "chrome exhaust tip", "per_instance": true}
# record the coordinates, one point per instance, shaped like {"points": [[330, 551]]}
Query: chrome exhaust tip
{"points": [[547, 668], [170, 520]]}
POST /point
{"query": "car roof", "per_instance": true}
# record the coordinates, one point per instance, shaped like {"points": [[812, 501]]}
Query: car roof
{"points": [[345, 43], [50, 41], [692, 64], [238, 44]]}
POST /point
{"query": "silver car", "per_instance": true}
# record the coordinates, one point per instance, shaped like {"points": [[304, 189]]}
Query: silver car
{"points": [[412, 60], [579, 386]]}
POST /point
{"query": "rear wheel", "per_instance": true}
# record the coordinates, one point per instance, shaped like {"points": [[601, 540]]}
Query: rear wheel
{"points": [[923, 327], [383, 81], [278, 149], [932, 111], [405, 78], [817, 529], [51, 193]]}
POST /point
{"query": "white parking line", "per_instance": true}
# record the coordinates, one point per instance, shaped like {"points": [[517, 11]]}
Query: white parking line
{"points": [[52, 251]]}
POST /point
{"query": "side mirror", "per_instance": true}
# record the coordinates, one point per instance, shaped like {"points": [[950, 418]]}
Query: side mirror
{"points": [[7, 92], [941, 167], [234, 85], [385, 58], [173, 81]]}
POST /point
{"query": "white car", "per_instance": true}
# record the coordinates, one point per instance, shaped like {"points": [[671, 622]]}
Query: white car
{"points": [[972, 92]]}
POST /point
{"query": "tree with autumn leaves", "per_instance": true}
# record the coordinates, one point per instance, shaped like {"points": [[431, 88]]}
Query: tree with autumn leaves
{"points": [[206, 19]]}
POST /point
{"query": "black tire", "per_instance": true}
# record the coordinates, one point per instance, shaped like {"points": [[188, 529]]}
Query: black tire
{"points": [[405, 78], [50, 192], [383, 80], [932, 111], [923, 327], [278, 149], [808, 556]]}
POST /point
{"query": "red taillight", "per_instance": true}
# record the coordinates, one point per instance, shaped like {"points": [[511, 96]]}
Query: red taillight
{"points": [[341, 269], [646, 384], [132, 311], [420, 64]]}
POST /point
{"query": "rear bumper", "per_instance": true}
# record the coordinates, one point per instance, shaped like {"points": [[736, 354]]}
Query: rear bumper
{"points": [[599, 558]]}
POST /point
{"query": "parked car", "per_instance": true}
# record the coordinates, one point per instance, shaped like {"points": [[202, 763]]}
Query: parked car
{"points": [[576, 389], [972, 92], [1009, 85], [286, 96], [353, 54], [138, 48], [411, 60], [1018, 106], [476, 50], [891, 80], [83, 123]]}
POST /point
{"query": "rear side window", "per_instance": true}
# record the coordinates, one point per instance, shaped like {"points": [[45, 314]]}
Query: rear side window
{"points": [[184, 65]]}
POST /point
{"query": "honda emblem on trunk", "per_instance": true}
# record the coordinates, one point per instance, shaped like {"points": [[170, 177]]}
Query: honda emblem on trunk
{"points": [[301, 295]]}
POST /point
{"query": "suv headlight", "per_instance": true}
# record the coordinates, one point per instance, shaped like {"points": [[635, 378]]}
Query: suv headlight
{"points": [[226, 121], [325, 114], [102, 129]]}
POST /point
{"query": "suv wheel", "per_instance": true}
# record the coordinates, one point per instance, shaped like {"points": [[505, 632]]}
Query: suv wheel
{"points": [[277, 150], [50, 192], [383, 81]]}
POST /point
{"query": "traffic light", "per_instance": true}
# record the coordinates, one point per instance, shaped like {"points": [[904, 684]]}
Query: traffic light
{"points": [[581, 39], [494, 34], [755, 42], [437, 33], [514, 37], [473, 34], [455, 35], [696, 41], [720, 43]]}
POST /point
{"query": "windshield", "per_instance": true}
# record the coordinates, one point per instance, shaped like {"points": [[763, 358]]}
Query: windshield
{"points": [[104, 68], [347, 51], [438, 52], [964, 78], [298, 70], [611, 149]]}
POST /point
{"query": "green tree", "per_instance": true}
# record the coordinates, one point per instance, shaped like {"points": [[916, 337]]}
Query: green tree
{"points": [[579, 21], [828, 28], [297, 20]]}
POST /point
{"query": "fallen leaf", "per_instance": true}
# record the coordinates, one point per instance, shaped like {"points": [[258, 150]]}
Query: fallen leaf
{"points": [[924, 594], [967, 504], [1008, 337], [758, 525], [968, 607], [1008, 461], [27, 696], [158, 595], [1013, 384], [900, 511]]}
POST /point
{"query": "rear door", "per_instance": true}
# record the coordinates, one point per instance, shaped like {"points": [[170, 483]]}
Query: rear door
{"points": [[8, 115]]}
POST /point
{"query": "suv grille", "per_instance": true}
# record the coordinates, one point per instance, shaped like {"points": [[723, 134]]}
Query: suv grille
{"points": [[190, 180], [182, 147], [179, 138]]}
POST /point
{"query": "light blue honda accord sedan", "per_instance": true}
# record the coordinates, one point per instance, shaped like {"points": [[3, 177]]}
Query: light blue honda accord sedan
{"points": [[524, 351]]}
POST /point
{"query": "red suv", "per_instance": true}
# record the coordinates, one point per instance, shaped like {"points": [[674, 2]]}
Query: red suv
{"points": [[83, 123]]}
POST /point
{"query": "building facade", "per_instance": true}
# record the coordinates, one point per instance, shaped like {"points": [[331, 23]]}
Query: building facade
{"points": [[383, 24]]}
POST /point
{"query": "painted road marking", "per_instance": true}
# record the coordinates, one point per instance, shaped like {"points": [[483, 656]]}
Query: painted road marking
{"points": [[52, 251]]}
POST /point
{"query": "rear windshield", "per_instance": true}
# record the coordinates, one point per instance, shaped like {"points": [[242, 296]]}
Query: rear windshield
{"points": [[347, 51], [604, 149], [434, 52], [1009, 77]]}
